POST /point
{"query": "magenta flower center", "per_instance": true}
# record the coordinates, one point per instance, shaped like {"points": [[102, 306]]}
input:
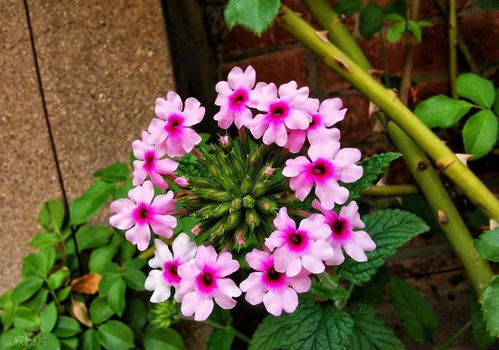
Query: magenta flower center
{"points": [[170, 273], [149, 158], [341, 230], [279, 110], [143, 213], [238, 99], [206, 281], [297, 241], [321, 170], [175, 124], [316, 121]]}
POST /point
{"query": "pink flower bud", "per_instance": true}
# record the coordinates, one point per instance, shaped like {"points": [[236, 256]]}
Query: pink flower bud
{"points": [[224, 140], [196, 230], [269, 171], [182, 181]]}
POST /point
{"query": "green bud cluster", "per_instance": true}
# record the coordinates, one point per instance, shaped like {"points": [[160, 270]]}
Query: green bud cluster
{"points": [[237, 200], [165, 314]]}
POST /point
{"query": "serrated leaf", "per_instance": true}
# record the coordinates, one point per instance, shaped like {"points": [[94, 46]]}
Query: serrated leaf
{"points": [[417, 317], [480, 133], [370, 20], [66, 327], [389, 229], [84, 207], [477, 89], [43, 240], [348, 7], [441, 111], [116, 296], [270, 334], [373, 167], [396, 31], [482, 339], [27, 288], [114, 173], [370, 333], [51, 216], [48, 318], [100, 311], [221, 339], [488, 245], [167, 339], [116, 335], [490, 306], [254, 15]]}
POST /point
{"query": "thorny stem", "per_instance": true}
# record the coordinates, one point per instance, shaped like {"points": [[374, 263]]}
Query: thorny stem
{"points": [[452, 47], [387, 100], [390, 191], [454, 337], [405, 82]]}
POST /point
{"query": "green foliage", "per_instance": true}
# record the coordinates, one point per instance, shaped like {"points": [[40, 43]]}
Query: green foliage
{"points": [[254, 15], [373, 167], [116, 296], [487, 5], [390, 229], [417, 317], [163, 339], [66, 327], [221, 339], [370, 333], [100, 311], [116, 172], [488, 245], [48, 317], [395, 32], [475, 88], [347, 7], [311, 326], [370, 20], [84, 207], [51, 216], [480, 133], [26, 289], [441, 111], [482, 339], [490, 306], [116, 335]]}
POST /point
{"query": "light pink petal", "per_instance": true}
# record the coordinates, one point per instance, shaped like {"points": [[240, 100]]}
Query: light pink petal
{"points": [[324, 136], [347, 156], [205, 256], [351, 173], [224, 117], [338, 257], [262, 95], [144, 193], [224, 90], [255, 295], [330, 193], [322, 250], [297, 119], [203, 309], [183, 248], [285, 261], [190, 139], [275, 133], [296, 140], [332, 111], [193, 112], [166, 166], [253, 280], [228, 287], [121, 221], [249, 78], [355, 252], [235, 78], [188, 272], [313, 264], [243, 118], [157, 130], [311, 105], [139, 235], [224, 301], [363, 240], [164, 203], [139, 148], [256, 259], [351, 212], [282, 220], [302, 185], [225, 264], [122, 205], [158, 181], [321, 150], [163, 225], [291, 92], [275, 240], [154, 279], [301, 283], [272, 303], [315, 226], [161, 254], [161, 293], [190, 303], [139, 173], [289, 300], [295, 167], [258, 125], [175, 146]]}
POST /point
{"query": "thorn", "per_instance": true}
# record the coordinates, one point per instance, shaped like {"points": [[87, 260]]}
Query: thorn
{"points": [[375, 73], [442, 217], [322, 34], [342, 64], [463, 157], [442, 165], [493, 224]]}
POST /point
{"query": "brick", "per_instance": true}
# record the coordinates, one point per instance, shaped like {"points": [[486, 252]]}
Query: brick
{"points": [[239, 40], [278, 67], [480, 33], [330, 80], [394, 53], [357, 125], [433, 53], [429, 88]]}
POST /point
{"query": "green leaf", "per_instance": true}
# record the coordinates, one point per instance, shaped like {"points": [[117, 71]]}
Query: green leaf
{"points": [[348, 7], [414, 28], [36, 302], [70, 343], [441, 111], [254, 15], [9, 309], [373, 167], [90, 340], [122, 190], [116, 296], [84, 207], [27, 288], [47, 259], [490, 306], [63, 294], [135, 314], [163, 339], [495, 107], [43, 240], [488, 245], [370, 333], [51, 216], [114, 173], [390, 229], [66, 327], [100, 311], [116, 335], [370, 20], [31, 264], [221, 339], [312, 326], [480, 133], [397, 7], [487, 5], [89, 237], [58, 278], [101, 257], [47, 341], [107, 281], [26, 320], [477, 89], [396, 31], [134, 278], [482, 339], [417, 317], [373, 292], [48, 317], [14, 339]]}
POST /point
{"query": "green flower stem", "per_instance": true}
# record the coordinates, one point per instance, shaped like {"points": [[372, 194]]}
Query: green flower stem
{"points": [[388, 101], [407, 65], [455, 337], [390, 191], [453, 47], [478, 270]]}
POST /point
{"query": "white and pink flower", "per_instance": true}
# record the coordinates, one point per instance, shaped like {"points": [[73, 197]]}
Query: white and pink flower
{"points": [[234, 98], [343, 233], [150, 162], [285, 108], [325, 166], [325, 115], [136, 213], [165, 264], [277, 291], [172, 127], [305, 246], [205, 280]]}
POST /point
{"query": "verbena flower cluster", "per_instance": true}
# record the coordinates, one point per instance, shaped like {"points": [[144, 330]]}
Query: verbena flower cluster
{"points": [[246, 196]]}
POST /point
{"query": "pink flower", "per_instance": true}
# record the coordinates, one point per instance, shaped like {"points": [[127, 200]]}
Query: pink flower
{"points": [[150, 164], [323, 117], [343, 235], [234, 96], [275, 289], [172, 130], [305, 246], [327, 165], [138, 213], [284, 109], [160, 281], [204, 280], [182, 181]]}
